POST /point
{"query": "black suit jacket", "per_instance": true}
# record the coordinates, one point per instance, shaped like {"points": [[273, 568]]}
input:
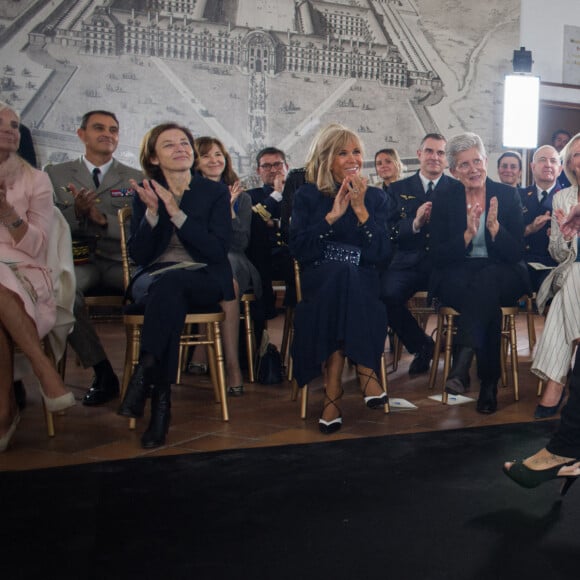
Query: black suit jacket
{"points": [[449, 222], [206, 233], [405, 197]]}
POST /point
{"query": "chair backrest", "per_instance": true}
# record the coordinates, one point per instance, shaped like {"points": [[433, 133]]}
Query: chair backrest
{"points": [[124, 216]]}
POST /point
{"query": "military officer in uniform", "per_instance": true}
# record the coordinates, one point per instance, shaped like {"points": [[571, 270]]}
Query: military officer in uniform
{"points": [[89, 191]]}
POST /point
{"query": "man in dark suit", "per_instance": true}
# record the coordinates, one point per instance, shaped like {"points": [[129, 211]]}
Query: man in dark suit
{"points": [[560, 138], [266, 249], [410, 202], [89, 191], [537, 205]]}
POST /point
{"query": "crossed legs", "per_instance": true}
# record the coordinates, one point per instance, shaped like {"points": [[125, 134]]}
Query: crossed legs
{"points": [[18, 328]]}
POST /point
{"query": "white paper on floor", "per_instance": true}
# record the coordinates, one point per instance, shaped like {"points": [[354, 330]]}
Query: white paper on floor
{"points": [[453, 399], [402, 404]]}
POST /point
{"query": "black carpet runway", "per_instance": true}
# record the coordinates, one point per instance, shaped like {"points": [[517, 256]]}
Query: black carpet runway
{"points": [[428, 506]]}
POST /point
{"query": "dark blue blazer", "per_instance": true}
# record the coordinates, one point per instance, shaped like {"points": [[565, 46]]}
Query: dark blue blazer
{"points": [[536, 245], [449, 222], [262, 195], [405, 197], [205, 234], [309, 229]]}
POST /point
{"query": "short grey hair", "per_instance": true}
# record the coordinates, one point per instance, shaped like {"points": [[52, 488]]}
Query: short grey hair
{"points": [[461, 143], [556, 154]]}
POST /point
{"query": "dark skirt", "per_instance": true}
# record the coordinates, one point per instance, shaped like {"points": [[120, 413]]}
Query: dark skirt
{"points": [[340, 310]]}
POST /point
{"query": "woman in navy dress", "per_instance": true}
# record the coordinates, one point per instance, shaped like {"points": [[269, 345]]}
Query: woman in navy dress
{"points": [[177, 216], [338, 236]]}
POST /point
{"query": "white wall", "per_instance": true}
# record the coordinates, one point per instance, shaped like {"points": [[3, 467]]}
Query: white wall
{"points": [[542, 31]]}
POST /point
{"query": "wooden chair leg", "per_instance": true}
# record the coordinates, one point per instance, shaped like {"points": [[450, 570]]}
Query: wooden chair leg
{"points": [[397, 351], [384, 382], [48, 416], [290, 373], [530, 320], [221, 370], [287, 336], [304, 402], [449, 322], [514, 356], [295, 390], [436, 352], [212, 363], [250, 344]]}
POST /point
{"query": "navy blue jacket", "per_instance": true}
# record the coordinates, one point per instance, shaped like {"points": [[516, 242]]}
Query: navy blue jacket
{"points": [[536, 245], [405, 197], [205, 234], [449, 222]]}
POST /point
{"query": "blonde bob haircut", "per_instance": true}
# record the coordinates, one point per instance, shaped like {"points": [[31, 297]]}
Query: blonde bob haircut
{"points": [[328, 144], [566, 155]]}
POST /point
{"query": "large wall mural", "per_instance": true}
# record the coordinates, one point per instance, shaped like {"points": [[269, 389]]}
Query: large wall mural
{"points": [[255, 73]]}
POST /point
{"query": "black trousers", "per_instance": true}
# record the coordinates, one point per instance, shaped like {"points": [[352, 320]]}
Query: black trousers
{"points": [[478, 288], [566, 439], [397, 286], [169, 298]]}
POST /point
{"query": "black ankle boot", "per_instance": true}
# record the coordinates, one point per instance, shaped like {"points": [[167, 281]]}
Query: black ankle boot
{"points": [[138, 389], [458, 381], [487, 401], [160, 417]]}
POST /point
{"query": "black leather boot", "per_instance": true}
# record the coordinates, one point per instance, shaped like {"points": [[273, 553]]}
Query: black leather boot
{"points": [[458, 381], [160, 417], [487, 401], [138, 389]]}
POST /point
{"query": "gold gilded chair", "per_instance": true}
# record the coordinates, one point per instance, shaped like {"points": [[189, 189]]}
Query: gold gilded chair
{"points": [[304, 389], [208, 333], [446, 329]]}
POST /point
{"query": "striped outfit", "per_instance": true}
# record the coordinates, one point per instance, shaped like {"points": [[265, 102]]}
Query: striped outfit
{"points": [[562, 326]]}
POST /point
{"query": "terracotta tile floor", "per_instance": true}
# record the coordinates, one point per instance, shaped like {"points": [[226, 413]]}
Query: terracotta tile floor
{"points": [[264, 416]]}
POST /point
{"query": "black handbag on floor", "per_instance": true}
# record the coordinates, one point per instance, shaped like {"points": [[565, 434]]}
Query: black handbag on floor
{"points": [[270, 366]]}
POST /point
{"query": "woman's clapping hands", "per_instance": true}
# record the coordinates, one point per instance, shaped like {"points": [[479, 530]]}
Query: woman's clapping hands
{"points": [[351, 192]]}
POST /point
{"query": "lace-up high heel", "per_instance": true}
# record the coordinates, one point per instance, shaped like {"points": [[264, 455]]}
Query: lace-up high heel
{"points": [[371, 401], [329, 427]]}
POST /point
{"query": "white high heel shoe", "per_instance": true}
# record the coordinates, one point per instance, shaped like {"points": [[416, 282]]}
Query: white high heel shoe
{"points": [[53, 405]]}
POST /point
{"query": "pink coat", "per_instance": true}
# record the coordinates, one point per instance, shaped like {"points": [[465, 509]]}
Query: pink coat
{"points": [[23, 266]]}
